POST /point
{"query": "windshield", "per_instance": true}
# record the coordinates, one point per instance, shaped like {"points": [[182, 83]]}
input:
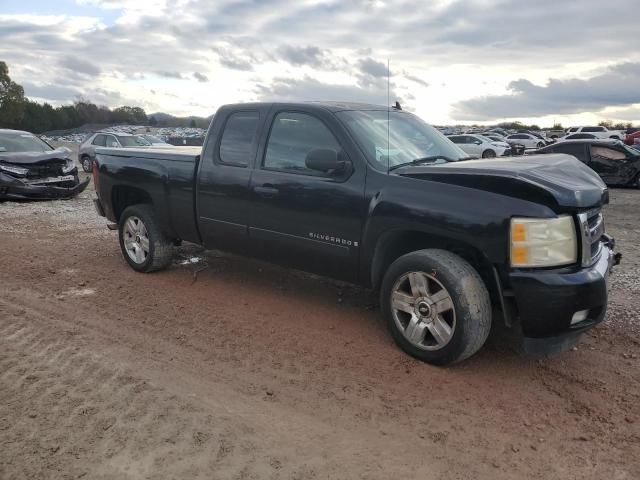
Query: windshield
{"points": [[16, 142], [407, 138], [133, 141]]}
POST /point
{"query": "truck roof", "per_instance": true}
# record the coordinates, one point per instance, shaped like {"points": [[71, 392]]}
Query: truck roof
{"points": [[325, 105]]}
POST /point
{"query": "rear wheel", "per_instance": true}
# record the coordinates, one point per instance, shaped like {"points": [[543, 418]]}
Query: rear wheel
{"points": [[436, 306], [87, 164], [144, 246], [488, 154]]}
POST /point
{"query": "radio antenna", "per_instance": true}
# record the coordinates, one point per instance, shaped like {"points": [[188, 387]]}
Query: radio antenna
{"points": [[388, 113]]}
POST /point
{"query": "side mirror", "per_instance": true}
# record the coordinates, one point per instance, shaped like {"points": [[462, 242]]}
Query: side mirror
{"points": [[325, 160]]}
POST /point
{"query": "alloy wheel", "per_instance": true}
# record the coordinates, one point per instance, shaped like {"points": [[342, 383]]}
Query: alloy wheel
{"points": [[423, 310], [136, 240]]}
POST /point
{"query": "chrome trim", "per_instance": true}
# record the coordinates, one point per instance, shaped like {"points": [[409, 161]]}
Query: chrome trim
{"points": [[585, 237], [590, 235]]}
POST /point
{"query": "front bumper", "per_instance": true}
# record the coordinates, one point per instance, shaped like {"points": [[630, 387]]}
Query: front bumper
{"points": [[548, 300], [13, 188]]}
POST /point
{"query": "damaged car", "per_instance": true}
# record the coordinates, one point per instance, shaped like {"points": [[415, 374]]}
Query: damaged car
{"points": [[30, 168]]}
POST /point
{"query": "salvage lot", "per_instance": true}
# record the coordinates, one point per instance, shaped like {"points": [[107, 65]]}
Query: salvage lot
{"points": [[223, 367]]}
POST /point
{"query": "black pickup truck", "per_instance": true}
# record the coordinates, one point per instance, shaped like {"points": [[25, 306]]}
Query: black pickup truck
{"points": [[374, 196]]}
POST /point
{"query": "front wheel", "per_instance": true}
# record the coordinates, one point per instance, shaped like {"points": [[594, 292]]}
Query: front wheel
{"points": [[436, 306], [540, 145], [144, 246], [488, 154]]}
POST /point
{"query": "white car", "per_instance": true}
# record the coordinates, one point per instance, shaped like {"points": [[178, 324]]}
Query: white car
{"points": [[599, 132], [526, 139], [481, 146]]}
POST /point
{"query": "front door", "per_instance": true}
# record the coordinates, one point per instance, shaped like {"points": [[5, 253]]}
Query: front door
{"points": [[300, 217]]}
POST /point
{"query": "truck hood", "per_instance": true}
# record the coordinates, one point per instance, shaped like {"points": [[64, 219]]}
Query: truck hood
{"points": [[550, 179]]}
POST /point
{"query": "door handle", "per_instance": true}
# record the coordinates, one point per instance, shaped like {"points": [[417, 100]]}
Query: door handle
{"points": [[266, 190]]}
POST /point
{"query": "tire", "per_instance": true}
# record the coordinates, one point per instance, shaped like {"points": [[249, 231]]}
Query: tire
{"points": [[539, 145], [87, 164], [143, 244], [489, 154], [453, 293]]}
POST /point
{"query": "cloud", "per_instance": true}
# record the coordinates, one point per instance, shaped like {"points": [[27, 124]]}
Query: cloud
{"points": [[168, 74], [78, 65], [373, 68], [310, 89], [50, 92], [125, 45], [415, 79], [200, 77], [236, 64], [617, 86]]}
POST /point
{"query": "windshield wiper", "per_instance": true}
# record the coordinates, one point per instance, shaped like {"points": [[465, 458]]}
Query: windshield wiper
{"points": [[419, 161]]}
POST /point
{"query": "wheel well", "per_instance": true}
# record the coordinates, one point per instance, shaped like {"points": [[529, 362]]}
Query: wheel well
{"points": [[394, 245], [125, 196]]}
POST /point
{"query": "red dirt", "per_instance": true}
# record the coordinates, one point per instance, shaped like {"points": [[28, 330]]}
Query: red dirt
{"points": [[233, 368]]}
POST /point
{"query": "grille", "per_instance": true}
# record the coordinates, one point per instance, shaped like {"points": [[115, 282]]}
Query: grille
{"points": [[49, 169], [592, 230]]}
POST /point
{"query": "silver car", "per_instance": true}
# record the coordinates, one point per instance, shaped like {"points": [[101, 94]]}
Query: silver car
{"points": [[87, 150]]}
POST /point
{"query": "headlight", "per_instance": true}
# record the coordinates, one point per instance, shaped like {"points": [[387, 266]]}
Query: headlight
{"points": [[69, 166], [21, 172], [543, 242]]}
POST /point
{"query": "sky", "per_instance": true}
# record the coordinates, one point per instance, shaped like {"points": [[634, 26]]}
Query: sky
{"points": [[451, 61]]}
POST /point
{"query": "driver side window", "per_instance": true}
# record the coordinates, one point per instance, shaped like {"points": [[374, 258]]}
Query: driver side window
{"points": [[293, 136]]}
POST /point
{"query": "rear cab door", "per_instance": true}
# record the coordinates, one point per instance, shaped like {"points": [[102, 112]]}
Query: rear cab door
{"points": [[303, 218], [223, 200]]}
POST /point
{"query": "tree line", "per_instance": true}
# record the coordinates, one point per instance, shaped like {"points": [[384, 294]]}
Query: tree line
{"points": [[17, 111]]}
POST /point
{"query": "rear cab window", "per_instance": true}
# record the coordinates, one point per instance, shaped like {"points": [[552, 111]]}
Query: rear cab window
{"points": [[239, 138]]}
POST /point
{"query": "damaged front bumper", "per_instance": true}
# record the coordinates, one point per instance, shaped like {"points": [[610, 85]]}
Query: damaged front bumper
{"points": [[15, 188]]}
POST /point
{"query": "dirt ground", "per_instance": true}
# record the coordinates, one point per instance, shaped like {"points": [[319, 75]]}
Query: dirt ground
{"points": [[228, 368]]}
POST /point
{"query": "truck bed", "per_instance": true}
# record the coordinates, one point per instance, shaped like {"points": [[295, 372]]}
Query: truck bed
{"points": [[163, 176], [176, 154]]}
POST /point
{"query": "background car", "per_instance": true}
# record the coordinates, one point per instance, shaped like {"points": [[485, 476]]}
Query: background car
{"points": [[155, 141], [526, 139], [578, 136], [87, 151], [615, 162], [481, 146], [633, 138], [30, 168], [599, 131]]}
